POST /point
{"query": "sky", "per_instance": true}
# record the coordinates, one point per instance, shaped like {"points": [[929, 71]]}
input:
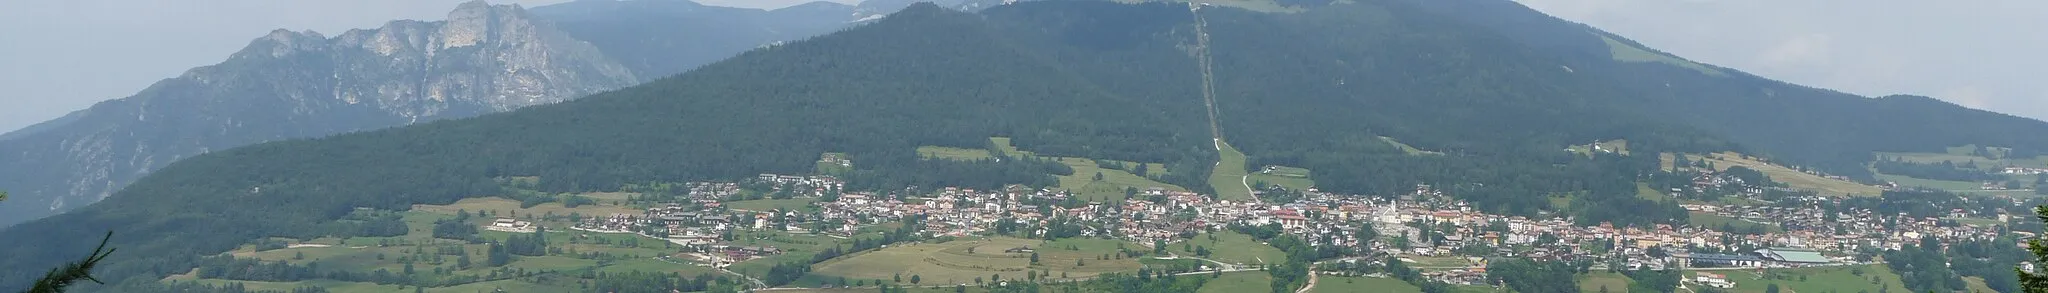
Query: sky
{"points": [[64, 55], [1984, 54]]}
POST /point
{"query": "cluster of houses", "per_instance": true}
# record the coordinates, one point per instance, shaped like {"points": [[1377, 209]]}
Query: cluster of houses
{"points": [[510, 225], [1424, 223], [2017, 170]]}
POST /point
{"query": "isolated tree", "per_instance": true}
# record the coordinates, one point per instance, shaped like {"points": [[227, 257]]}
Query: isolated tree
{"points": [[914, 279], [2036, 282], [64, 276]]}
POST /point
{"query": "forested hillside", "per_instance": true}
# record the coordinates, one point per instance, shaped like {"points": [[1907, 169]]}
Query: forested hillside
{"points": [[927, 76], [1832, 131], [1085, 79]]}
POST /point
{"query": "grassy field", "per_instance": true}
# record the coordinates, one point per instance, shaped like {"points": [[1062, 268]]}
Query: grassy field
{"points": [[1781, 174], [507, 285], [953, 153], [1083, 182], [1628, 53], [1977, 221], [773, 204], [1643, 190], [1113, 182], [796, 247], [1713, 221], [1411, 150], [507, 208], [1967, 153], [1228, 177], [969, 289], [1930, 183], [1285, 171], [1295, 178], [1617, 146], [367, 254], [1827, 279], [1294, 183], [953, 263], [1976, 284], [1253, 281], [1233, 247], [651, 265], [1612, 281], [331, 286], [1336, 284], [1003, 143], [1439, 261]]}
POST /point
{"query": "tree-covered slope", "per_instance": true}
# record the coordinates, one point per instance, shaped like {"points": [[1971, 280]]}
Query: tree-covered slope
{"points": [[924, 77], [1830, 130]]}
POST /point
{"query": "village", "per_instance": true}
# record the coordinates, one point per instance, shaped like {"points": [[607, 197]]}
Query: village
{"points": [[1424, 224]]}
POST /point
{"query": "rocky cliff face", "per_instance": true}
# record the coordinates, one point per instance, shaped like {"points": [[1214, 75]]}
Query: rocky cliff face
{"points": [[289, 85]]}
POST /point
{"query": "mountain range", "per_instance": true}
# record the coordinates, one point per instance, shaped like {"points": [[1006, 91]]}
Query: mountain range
{"points": [[290, 85], [1495, 88]]}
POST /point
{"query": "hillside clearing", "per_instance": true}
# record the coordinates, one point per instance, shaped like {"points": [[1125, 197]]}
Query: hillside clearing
{"points": [[1618, 146], [1233, 247], [1111, 186], [507, 208], [774, 204], [1793, 178], [1411, 150], [1823, 279], [1630, 53], [961, 261], [1603, 282], [1083, 183], [1254, 281], [1337, 284], [953, 153], [1228, 178]]}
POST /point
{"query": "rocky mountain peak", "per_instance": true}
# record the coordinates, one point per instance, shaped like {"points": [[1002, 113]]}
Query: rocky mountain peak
{"points": [[282, 42], [477, 22]]}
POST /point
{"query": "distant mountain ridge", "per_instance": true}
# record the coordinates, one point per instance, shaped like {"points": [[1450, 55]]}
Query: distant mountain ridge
{"points": [[287, 85]]}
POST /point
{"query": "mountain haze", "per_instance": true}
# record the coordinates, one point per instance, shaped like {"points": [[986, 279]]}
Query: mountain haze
{"points": [[1496, 88], [287, 85], [302, 84]]}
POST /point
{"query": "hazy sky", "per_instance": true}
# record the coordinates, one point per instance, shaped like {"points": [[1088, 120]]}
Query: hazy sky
{"points": [[58, 56], [1985, 54]]}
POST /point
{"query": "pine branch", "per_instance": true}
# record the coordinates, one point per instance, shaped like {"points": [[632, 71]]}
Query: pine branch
{"points": [[59, 278]]}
